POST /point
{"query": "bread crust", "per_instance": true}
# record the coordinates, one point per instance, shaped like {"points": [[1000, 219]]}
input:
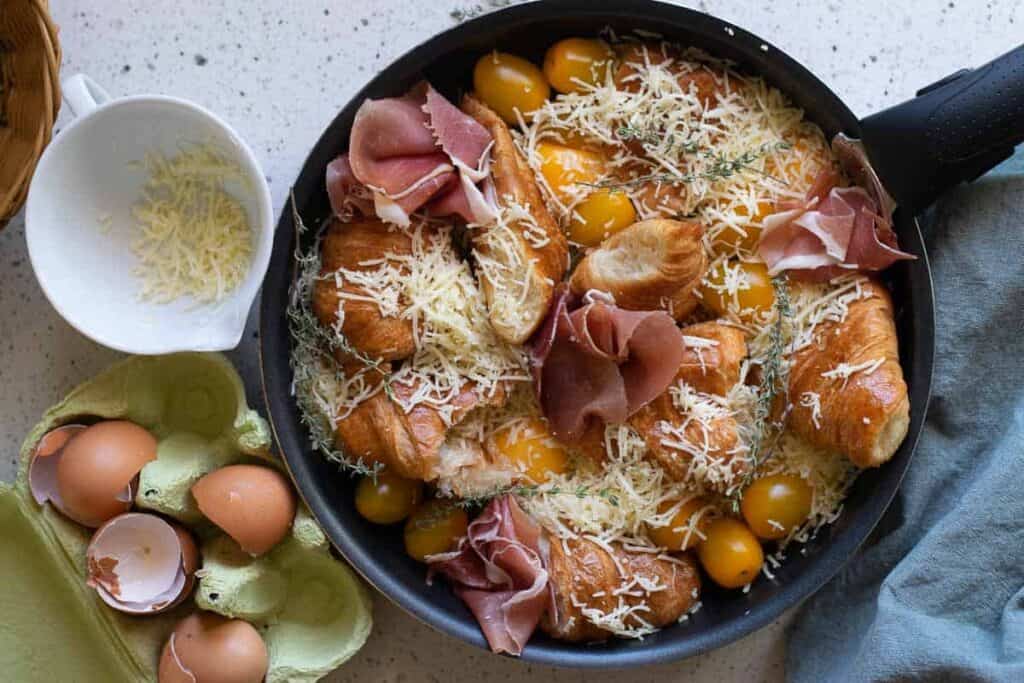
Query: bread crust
{"points": [[586, 577], [348, 246], [541, 263], [866, 415], [651, 265]]}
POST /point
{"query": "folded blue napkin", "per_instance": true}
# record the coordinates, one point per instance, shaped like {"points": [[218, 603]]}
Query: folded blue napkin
{"points": [[937, 594]]}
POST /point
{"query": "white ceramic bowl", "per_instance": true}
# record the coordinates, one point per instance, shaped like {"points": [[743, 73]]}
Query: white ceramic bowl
{"points": [[79, 223]]}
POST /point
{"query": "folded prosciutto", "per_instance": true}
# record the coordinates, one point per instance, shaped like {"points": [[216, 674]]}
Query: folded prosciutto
{"points": [[835, 231], [418, 151], [600, 362], [498, 572]]}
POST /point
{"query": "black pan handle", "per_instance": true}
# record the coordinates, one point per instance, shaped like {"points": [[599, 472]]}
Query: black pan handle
{"points": [[952, 132]]}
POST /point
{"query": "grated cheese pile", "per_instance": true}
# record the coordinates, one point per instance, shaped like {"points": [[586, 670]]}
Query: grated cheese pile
{"points": [[433, 287], [501, 259], [193, 237]]}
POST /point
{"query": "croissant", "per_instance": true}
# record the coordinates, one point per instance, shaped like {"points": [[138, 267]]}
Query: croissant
{"points": [[584, 576], [653, 264], [853, 370], [700, 79], [534, 255], [410, 443], [349, 246], [691, 447], [712, 369]]}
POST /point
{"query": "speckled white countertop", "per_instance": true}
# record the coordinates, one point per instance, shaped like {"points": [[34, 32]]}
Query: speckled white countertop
{"points": [[279, 70]]}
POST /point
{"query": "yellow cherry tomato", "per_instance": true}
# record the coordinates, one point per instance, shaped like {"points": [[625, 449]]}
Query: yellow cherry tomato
{"points": [[563, 167], [731, 554], [434, 527], [387, 498], [776, 505], [576, 59], [507, 83], [754, 291], [600, 216], [684, 531], [533, 450], [730, 239]]}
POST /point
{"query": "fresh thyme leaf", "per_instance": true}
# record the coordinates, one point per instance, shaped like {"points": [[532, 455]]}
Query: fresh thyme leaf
{"points": [[773, 383], [530, 490], [720, 168]]}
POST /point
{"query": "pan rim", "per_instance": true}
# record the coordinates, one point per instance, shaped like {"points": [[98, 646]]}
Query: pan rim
{"points": [[275, 389]]}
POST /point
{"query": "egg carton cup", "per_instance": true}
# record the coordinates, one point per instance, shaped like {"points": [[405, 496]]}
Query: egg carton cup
{"points": [[29, 95]]}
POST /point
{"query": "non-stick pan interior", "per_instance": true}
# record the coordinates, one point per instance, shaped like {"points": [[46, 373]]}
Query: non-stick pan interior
{"points": [[376, 552]]}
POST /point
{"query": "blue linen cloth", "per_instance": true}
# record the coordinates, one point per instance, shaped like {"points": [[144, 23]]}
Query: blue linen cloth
{"points": [[937, 594]]}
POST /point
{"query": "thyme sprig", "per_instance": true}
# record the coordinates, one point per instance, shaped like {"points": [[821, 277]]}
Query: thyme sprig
{"points": [[773, 383], [531, 490], [653, 138], [315, 349], [720, 167]]}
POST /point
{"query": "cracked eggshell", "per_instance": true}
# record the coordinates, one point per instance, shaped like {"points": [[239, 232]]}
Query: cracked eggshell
{"points": [[254, 505], [98, 468], [42, 469], [141, 564], [209, 648]]}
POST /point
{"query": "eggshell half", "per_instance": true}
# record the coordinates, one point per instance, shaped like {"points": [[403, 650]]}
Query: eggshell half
{"points": [[97, 468], [208, 648], [252, 504], [141, 564], [42, 470]]}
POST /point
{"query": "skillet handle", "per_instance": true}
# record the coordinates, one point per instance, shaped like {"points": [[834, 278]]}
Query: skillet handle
{"points": [[954, 130]]}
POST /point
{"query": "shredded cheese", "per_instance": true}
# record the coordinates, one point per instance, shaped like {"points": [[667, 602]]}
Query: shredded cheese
{"points": [[193, 237]]}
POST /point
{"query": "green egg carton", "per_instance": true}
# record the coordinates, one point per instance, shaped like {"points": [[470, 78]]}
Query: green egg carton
{"points": [[311, 610]]}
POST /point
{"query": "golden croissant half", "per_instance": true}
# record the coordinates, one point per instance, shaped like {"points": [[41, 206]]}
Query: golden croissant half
{"points": [[683, 445], [349, 246], [651, 265], [852, 371], [410, 443], [584, 576], [533, 256]]}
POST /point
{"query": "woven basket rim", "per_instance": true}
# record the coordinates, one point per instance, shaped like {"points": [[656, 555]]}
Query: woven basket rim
{"points": [[13, 197]]}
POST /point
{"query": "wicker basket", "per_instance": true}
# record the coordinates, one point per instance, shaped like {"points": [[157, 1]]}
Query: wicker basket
{"points": [[29, 95]]}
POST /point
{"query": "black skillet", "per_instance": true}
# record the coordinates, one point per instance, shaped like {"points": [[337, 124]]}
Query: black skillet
{"points": [[952, 132]]}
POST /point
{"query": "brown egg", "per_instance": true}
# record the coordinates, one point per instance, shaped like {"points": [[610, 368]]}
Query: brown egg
{"points": [[42, 469], [208, 648], [97, 467], [252, 504]]}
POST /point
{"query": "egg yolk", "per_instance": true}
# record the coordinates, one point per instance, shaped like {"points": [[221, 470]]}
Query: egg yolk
{"points": [[532, 450], [573, 60], [754, 290], [776, 505], [434, 527], [563, 167], [387, 498], [600, 216], [730, 239], [507, 83], [686, 528], [731, 554]]}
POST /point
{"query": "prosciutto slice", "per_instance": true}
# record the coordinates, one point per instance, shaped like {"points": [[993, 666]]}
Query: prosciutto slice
{"points": [[600, 362], [418, 151], [835, 230], [498, 572]]}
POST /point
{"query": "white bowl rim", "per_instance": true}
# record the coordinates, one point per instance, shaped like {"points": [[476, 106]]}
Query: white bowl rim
{"points": [[244, 295]]}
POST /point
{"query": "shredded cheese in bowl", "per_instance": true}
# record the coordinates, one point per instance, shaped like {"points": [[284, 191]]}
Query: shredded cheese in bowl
{"points": [[193, 237]]}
